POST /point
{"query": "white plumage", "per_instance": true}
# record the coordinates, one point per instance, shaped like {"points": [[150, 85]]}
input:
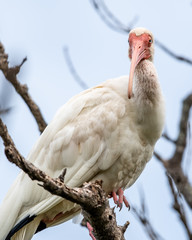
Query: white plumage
{"points": [[98, 134]]}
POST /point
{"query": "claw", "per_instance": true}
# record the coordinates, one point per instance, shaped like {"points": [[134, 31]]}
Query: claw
{"points": [[122, 199], [119, 205]]}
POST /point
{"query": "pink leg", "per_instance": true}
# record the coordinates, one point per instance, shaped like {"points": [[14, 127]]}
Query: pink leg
{"points": [[115, 199], [90, 231], [120, 202], [126, 202], [120, 193]]}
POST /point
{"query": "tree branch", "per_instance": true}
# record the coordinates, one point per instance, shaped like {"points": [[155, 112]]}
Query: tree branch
{"points": [[181, 140], [172, 54], [143, 217], [10, 74], [90, 196], [4, 110], [174, 165], [178, 206], [110, 19], [72, 69], [166, 136]]}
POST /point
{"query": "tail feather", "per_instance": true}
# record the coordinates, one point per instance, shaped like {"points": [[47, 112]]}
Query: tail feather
{"points": [[21, 224], [22, 221], [41, 227], [29, 225], [27, 231], [65, 217]]}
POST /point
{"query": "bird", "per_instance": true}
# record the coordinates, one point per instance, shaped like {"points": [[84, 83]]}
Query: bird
{"points": [[107, 132]]}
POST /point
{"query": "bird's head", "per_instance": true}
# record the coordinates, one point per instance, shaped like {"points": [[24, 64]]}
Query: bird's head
{"points": [[140, 48]]}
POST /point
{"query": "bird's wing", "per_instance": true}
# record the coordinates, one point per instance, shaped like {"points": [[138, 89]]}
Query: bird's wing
{"points": [[80, 138], [82, 131]]}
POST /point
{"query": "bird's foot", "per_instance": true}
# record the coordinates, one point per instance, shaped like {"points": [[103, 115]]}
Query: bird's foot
{"points": [[122, 199], [90, 228]]}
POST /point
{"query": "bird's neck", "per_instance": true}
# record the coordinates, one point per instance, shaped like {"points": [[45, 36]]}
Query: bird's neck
{"points": [[146, 86], [148, 99]]}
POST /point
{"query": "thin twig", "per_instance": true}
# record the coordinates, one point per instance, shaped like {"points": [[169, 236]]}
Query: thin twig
{"points": [[158, 156], [172, 54], [73, 70], [10, 74], [143, 217], [166, 136], [5, 110], [178, 206], [110, 19], [115, 24], [183, 127]]}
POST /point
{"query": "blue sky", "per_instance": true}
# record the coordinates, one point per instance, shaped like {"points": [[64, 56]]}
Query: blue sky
{"points": [[41, 29]]}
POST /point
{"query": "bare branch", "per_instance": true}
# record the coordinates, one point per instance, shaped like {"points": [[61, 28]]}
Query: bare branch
{"points": [[172, 54], [143, 217], [90, 196], [5, 110], [166, 136], [110, 19], [112, 22], [173, 165], [158, 156], [178, 206], [181, 140], [10, 74], [73, 70]]}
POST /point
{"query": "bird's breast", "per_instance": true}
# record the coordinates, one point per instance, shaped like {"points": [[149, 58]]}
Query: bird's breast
{"points": [[135, 153]]}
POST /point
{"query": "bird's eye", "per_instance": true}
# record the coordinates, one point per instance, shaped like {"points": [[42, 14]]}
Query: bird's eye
{"points": [[150, 40]]}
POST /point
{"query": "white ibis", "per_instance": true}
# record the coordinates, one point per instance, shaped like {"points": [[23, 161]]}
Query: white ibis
{"points": [[107, 132]]}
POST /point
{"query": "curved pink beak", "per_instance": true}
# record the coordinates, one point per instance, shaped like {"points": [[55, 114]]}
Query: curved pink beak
{"points": [[138, 50]]}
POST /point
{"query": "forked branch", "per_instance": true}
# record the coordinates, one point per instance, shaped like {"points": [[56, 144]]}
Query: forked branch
{"points": [[174, 165], [10, 74]]}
